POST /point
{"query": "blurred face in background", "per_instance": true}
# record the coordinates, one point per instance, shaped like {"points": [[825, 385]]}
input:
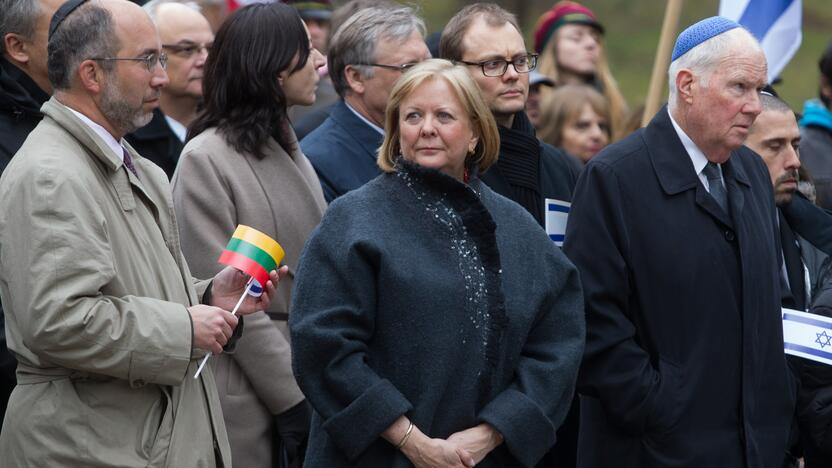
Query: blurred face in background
{"points": [[585, 134], [776, 137], [318, 32], [186, 38], [577, 51]]}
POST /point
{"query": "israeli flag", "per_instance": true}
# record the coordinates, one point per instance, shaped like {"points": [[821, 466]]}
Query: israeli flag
{"points": [[557, 213], [775, 23], [807, 335]]}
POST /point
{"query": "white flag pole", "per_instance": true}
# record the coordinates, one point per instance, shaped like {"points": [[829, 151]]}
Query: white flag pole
{"points": [[233, 312]]}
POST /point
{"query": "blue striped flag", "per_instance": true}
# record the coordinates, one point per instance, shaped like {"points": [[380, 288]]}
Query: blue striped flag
{"points": [[775, 23], [807, 335]]}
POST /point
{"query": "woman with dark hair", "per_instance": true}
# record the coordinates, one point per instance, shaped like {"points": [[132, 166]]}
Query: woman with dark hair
{"points": [[243, 165]]}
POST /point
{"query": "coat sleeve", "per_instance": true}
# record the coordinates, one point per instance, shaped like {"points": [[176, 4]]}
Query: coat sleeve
{"points": [[332, 321], [58, 251], [530, 410], [204, 205], [811, 222], [615, 369]]}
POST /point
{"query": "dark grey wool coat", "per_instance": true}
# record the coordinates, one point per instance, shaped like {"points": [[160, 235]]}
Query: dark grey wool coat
{"points": [[418, 295]]}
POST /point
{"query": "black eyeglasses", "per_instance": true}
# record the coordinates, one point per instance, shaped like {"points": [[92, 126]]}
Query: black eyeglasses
{"points": [[498, 67], [187, 49], [149, 60], [401, 68]]}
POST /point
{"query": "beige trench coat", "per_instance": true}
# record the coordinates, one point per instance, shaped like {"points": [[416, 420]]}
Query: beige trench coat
{"points": [[215, 188], [95, 290]]}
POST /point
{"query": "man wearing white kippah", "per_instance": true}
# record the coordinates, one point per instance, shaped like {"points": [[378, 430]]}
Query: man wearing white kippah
{"points": [[674, 232]]}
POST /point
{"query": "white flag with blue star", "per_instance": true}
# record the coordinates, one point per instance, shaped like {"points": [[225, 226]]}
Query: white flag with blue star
{"points": [[807, 335]]}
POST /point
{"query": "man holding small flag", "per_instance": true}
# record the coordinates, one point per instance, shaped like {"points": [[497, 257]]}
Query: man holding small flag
{"points": [[102, 312]]}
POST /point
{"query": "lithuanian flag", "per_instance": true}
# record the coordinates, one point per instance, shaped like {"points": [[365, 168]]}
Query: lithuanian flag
{"points": [[253, 253]]}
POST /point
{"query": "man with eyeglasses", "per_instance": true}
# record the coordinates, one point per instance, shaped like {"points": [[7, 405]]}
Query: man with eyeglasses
{"points": [[367, 56], [186, 38], [101, 310], [486, 38]]}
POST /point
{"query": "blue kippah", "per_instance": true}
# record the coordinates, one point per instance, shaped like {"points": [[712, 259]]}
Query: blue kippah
{"points": [[701, 32]]}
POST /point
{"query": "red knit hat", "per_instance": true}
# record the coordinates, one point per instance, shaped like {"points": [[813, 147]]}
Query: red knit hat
{"points": [[563, 12]]}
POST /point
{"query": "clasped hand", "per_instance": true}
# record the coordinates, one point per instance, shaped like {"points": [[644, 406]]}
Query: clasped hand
{"points": [[463, 449], [213, 323]]}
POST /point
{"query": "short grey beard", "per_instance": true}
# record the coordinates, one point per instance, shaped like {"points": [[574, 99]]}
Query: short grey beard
{"points": [[119, 113]]}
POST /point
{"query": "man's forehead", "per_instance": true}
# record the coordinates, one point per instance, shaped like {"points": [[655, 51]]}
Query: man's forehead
{"points": [[480, 40], [774, 124], [411, 48]]}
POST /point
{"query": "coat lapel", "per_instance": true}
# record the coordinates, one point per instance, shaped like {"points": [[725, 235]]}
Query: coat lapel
{"points": [[675, 170]]}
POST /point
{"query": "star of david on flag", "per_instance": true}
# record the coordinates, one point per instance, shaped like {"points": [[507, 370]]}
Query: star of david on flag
{"points": [[807, 335]]}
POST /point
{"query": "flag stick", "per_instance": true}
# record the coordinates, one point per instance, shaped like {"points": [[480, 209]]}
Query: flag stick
{"points": [[233, 312], [659, 76]]}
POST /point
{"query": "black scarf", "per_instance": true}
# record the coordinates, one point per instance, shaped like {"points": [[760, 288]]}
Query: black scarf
{"points": [[519, 163]]}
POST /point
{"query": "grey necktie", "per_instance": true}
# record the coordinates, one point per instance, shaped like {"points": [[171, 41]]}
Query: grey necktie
{"points": [[715, 186]]}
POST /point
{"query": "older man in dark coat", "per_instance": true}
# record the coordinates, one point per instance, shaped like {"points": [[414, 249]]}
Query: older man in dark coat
{"points": [[673, 230]]}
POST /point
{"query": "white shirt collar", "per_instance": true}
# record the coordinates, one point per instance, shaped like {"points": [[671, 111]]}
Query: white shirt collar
{"points": [[696, 155], [102, 132], [365, 120], [177, 128]]}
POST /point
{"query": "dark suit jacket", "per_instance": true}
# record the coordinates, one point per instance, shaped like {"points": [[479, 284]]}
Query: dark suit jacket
{"points": [[157, 142], [684, 362], [343, 152]]}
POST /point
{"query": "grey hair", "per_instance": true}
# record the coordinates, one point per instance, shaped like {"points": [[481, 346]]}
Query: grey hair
{"points": [[87, 32], [152, 7], [19, 17], [355, 41], [703, 59]]}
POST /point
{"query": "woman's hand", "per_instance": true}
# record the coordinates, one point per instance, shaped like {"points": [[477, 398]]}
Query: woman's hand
{"points": [[423, 451], [230, 283], [477, 441]]}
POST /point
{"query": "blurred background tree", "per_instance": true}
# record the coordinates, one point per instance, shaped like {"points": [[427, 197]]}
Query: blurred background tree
{"points": [[632, 35]]}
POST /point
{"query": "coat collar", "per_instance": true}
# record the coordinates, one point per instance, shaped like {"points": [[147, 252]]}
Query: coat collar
{"points": [[364, 136], [676, 174]]}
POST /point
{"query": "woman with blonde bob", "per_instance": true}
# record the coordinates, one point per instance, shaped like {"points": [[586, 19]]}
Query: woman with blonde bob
{"points": [[569, 40], [434, 322], [576, 118]]}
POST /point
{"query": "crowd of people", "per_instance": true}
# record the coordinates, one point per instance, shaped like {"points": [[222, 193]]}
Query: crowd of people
{"points": [[486, 262]]}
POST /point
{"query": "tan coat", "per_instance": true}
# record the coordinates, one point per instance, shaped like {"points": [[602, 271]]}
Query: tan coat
{"points": [[216, 188], [95, 289]]}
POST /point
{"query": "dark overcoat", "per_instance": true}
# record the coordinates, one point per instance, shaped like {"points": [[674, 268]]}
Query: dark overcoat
{"points": [[343, 152], [684, 363]]}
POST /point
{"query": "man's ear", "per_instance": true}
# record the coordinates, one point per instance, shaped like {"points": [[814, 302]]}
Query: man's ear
{"points": [[91, 76], [354, 79], [16, 48], [685, 81]]}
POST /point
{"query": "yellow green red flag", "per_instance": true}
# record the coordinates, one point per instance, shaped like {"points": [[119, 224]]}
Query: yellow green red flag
{"points": [[253, 253]]}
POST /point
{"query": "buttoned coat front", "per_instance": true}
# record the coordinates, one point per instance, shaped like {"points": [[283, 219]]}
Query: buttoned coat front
{"points": [[95, 291], [215, 188], [684, 362]]}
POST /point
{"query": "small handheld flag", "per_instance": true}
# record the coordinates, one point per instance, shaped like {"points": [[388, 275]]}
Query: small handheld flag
{"points": [[255, 254], [807, 335]]}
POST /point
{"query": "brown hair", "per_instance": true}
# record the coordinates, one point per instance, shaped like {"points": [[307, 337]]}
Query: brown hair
{"points": [[564, 104], [450, 44], [468, 93], [547, 66]]}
